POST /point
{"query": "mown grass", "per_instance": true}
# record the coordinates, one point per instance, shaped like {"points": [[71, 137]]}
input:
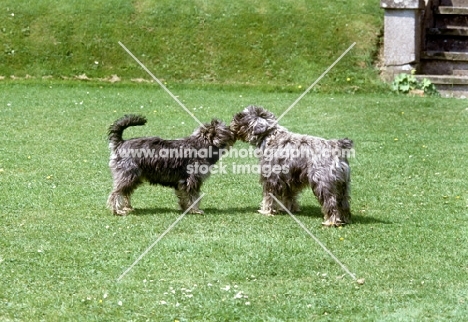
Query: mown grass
{"points": [[276, 44], [61, 251]]}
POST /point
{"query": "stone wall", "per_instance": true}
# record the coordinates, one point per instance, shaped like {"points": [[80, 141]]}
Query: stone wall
{"points": [[403, 26]]}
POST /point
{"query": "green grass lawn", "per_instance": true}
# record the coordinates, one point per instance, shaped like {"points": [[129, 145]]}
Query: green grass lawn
{"points": [[61, 250]]}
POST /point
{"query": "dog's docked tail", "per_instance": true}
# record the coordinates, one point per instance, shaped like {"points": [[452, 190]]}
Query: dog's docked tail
{"points": [[346, 146], [116, 129], [345, 143]]}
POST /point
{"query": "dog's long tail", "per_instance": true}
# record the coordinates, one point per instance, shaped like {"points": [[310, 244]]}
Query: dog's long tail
{"points": [[117, 128]]}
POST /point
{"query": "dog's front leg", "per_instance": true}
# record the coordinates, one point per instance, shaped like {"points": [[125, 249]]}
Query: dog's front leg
{"points": [[267, 205]]}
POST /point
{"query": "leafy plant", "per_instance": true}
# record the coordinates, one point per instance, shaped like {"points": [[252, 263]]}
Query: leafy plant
{"points": [[428, 87], [405, 83]]}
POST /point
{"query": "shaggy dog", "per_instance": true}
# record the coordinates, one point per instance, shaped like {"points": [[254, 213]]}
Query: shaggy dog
{"points": [[289, 162], [182, 164]]}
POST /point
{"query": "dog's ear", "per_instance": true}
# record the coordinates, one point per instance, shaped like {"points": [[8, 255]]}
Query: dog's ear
{"points": [[219, 134], [216, 122], [238, 117], [263, 125]]}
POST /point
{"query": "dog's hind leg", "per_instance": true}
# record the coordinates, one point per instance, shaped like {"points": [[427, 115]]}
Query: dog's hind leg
{"points": [[334, 202], [195, 208], [187, 198], [327, 201], [343, 208], [127, 203], [119, 203], [115, 203], [323, 181], [339, 205], [119, 199]]}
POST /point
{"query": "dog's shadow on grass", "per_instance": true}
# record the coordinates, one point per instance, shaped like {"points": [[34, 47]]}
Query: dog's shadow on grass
{"points": [[152, 211], [306, 211], [230, 210], [207, 211], [314, 211], [368, 220]]}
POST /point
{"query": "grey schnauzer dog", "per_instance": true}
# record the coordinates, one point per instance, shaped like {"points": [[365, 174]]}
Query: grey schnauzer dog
{"points": [[289, 162], [183, 164]]}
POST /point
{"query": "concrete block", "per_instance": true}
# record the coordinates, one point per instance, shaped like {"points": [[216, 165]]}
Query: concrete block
{"points": [[402, 4], [402, 37]]}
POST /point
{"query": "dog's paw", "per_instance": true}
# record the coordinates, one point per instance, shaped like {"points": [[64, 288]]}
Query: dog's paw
{"points": [[121, 212], [333, 223], [196, 211], [266, 212], [295, 209]]}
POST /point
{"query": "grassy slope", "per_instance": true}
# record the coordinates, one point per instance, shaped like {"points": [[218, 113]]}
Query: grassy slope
{"points": [[61, 251], [281, 43]]}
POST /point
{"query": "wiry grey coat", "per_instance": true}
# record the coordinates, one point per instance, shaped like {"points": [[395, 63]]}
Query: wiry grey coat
{"points": [[137, 160], [300, 161]]}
